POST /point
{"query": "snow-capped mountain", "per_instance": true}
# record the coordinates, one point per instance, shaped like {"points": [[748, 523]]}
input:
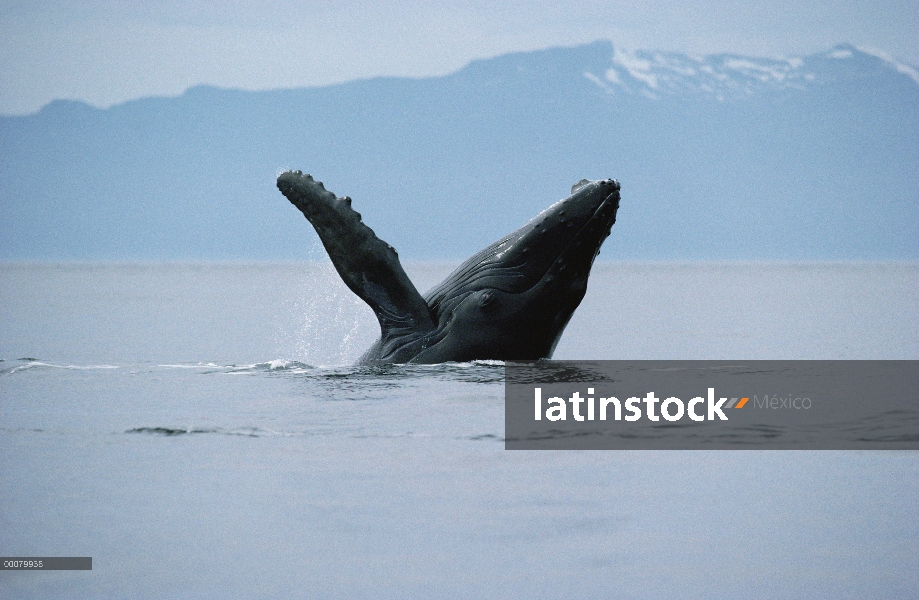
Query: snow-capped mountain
{"points": [[720, 157], [727, 76]]}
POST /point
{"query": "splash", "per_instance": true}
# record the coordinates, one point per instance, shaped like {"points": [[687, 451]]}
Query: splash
{"points": [[326, 324]]}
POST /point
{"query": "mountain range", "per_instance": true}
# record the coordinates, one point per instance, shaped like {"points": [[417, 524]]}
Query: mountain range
{"points": [[720, 157]]}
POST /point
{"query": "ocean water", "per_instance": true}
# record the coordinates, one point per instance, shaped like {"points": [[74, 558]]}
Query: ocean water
{"points": [[196, 429]]}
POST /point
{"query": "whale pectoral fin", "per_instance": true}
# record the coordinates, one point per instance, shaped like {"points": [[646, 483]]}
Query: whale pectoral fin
{"points": [[369, 266]]}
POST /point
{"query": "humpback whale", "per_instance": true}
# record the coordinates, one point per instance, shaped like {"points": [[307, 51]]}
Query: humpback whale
{"points": [[510, 301]]}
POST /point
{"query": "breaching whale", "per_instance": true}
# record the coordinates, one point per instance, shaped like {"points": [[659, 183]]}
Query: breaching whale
{"points": [[510, 301]]}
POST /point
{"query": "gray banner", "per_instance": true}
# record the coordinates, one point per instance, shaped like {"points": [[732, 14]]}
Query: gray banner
{"points": [[712, 405], [46, 563]]}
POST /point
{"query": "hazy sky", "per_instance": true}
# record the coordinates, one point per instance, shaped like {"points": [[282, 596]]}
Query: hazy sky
{"points": [[109, 51]]}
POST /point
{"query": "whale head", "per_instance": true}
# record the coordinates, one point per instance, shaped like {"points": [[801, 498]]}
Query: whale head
{"points": [[512, 300]]}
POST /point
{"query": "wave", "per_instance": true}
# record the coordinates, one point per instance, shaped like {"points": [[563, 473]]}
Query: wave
{"points": [[242, 431], [478, 371], [278, 364], [31, 363], [483, 371], [259, 432], [273, 365]]}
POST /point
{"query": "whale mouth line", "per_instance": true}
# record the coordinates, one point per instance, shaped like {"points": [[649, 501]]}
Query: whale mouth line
{"points": [[596, 216], [554, 263]]}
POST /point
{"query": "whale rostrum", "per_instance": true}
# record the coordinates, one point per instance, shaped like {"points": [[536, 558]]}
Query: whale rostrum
{"points": [[510, 301]]}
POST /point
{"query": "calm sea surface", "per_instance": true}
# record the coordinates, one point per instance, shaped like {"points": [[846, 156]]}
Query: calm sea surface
{"points": [[196, 429]]}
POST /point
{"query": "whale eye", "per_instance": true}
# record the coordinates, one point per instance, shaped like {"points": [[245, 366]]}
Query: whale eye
{"points": [[486, 299]]}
